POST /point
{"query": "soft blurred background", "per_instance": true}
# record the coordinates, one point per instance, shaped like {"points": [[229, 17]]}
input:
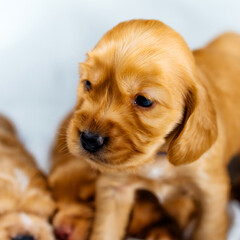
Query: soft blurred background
{"points": [[42, 42]]}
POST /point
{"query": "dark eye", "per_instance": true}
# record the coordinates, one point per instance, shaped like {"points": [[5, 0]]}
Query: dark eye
{"points": [[142, 101], [87, 85]]}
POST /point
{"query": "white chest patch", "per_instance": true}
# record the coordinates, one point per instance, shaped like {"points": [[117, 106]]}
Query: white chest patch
{"points": [[160, 168], [156, 173], [25, 219], [22, 179]]}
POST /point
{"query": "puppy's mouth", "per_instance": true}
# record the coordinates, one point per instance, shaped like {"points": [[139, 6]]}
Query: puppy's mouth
{"points": [[107, 160], [99, 160], [106, 153], [99, 155], [100, 163]]}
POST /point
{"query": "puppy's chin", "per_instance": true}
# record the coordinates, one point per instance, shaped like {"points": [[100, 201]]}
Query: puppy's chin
{"points": [[125, 167], [103, 163], [13, 225]]}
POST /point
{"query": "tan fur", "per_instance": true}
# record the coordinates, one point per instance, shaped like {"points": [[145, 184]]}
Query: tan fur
{"points": [[73, 186], [25, 201], [73, 182], [150, 221], [194, 118]]}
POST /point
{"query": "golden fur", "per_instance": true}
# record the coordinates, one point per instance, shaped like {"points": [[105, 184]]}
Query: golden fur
{"points": [[149, 220], [25, 201], [194, 118], [73, 184], [73, 187]]}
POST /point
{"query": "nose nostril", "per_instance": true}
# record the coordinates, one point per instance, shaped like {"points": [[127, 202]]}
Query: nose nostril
{"points": [[23, 237], [92, 142]]}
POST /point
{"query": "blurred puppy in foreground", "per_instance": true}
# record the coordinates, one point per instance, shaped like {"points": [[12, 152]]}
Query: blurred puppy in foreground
{"points": [[25, 201], [73, 182], [148, 105]]}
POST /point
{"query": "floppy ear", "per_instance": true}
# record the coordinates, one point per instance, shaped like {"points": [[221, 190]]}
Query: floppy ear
{"points": [[198, 130]]}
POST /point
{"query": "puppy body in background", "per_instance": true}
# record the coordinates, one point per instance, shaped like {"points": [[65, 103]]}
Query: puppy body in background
{"points": [[25, 201], [142, 92]]}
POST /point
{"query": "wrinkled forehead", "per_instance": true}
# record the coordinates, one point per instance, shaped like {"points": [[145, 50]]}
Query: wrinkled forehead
{"points": [[136, 59], [132, 75], [127, 74]]}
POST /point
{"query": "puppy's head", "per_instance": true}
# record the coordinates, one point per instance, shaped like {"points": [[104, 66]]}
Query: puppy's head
{"points": [[139, 90], [24, 226], [73, 220], [24, 208]]}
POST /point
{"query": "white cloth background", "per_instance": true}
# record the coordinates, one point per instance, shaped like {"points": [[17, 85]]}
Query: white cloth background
{"points": [[42, 41]]}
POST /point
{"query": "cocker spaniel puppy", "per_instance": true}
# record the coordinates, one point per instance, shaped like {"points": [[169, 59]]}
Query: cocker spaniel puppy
{"points": [[25, 201], [144, 94]]}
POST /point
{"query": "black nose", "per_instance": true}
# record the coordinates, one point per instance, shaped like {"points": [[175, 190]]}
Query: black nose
{"points": [[23, 237], [92, 142]]}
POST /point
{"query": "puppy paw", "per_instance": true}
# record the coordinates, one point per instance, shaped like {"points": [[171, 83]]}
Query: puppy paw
{"points": [[73, 221]]}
